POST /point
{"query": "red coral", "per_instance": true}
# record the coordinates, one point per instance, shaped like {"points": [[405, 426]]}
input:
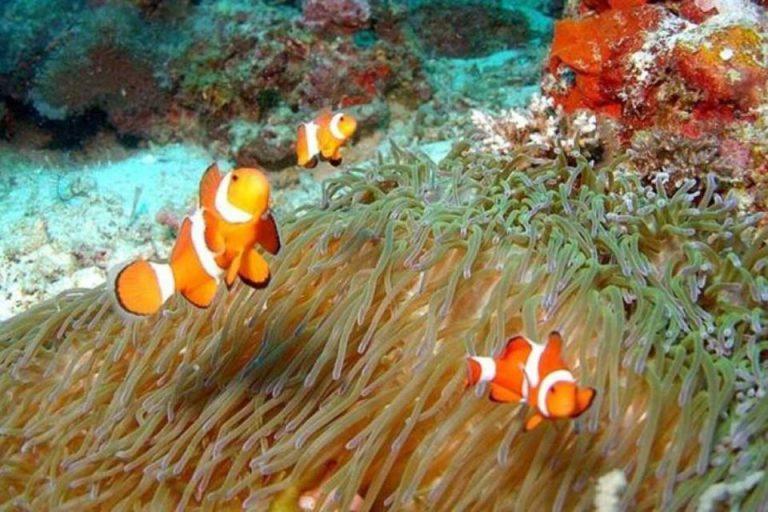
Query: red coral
{"points": [[371, 79], [604, 5], [336, 15]]}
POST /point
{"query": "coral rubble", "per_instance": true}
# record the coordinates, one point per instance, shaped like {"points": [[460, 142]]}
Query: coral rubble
{"points": [[342, 382]]}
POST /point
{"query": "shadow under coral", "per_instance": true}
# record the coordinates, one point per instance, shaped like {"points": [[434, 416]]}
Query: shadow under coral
{"points": [[347, 372]]}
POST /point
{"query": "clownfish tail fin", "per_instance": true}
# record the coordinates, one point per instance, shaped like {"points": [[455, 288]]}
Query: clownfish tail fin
{"points": [[142, 287]]}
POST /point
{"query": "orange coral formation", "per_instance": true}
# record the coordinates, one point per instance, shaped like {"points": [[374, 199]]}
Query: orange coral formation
{"points": [[594, 48], [654, 66], [726, 67]]}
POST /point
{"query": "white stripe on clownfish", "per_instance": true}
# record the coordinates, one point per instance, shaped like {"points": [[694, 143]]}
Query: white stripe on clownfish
{"points": [[547, 382], [206, 257], [313, 144], [226, 209], [165, 279], [487, 368], [531, 369], [334, 126]]}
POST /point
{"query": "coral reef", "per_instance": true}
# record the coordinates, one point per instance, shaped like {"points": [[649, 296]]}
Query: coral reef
{"points": [[649, 66], [469, 29], [343, 381], [172, 69], [336, 15], [543, 128], [683, 158], [679, 85]]}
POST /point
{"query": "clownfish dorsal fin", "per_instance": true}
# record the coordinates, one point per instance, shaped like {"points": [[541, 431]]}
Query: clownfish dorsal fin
{"points": [[183, 241], [324, 117], [209, 185], [553, 350], [514, 344]]}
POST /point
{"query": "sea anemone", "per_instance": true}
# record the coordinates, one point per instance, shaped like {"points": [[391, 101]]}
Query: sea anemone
{"points": [[344, 380]]}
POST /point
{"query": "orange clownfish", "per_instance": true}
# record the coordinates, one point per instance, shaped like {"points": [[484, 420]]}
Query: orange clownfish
{"points": [[324, 136], [534, 374], [217, 241]]}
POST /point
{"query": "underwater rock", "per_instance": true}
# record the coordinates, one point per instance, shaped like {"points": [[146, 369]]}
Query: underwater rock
{"points": [[6, 122], [336, 15], [241, 77], [95, 64], [106, 78], [465, 30], [345, 377], [162, 9], [269, 144]]}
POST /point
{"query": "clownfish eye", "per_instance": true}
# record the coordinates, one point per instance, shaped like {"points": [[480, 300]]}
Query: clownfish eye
{"points": [[235, 177], [552, 390], [341, 118]]}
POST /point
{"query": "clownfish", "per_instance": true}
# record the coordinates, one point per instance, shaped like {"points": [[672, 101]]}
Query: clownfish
{"points": [[535, 374], [217, 240], [324, 137]]}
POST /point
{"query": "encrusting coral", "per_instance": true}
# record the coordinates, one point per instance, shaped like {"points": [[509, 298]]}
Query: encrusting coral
{"points": [[345, 378]]}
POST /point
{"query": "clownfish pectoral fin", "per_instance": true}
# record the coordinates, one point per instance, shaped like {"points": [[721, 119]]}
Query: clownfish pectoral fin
{"points": [[267, 235], [209, 185], [504, 395], [203, 295], [533, 422], [213, 238], [232, 271], [254, 270], [514, 344], [142, 287], [584, 399]]}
